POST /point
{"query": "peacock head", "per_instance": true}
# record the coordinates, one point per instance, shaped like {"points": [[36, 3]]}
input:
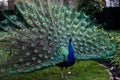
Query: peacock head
{"points": [[70, 40]]}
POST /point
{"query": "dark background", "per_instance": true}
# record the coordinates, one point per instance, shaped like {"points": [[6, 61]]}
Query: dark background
{"points": [[110, 16]]}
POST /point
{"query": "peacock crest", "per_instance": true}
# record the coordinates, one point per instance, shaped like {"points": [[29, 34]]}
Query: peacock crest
{"points": [[40, 37]]}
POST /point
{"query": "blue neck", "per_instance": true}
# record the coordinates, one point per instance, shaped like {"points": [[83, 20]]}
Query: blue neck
{"points": [[70, 59]]}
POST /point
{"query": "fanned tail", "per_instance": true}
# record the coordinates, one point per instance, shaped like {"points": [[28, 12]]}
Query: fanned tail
{"points": [[42, 37]]}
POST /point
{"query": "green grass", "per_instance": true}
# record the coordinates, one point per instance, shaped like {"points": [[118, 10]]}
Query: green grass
{"points": [[81, 70]]}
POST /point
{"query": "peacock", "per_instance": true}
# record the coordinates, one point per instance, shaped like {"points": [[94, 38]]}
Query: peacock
{"points": [[43, 33]]}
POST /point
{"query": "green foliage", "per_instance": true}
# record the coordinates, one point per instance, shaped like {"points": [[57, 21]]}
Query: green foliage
{"points": [[82, 70], [116, 39], [89, 6]]}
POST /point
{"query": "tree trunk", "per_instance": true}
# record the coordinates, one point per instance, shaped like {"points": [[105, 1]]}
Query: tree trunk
{"points": [[11, 4]]}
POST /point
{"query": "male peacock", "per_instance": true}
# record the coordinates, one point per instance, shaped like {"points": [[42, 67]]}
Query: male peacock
{"points": [[49, 33]]}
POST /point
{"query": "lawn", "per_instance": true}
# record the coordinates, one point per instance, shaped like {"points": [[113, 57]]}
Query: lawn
{"points": [[81, 70]]}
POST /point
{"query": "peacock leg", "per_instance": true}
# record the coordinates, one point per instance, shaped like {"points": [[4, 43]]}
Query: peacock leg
{"points": [[66, 73], [63, 74]]}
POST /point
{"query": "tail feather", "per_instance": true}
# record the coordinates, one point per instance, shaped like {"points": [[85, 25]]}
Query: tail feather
{"points": [[42, 37]]}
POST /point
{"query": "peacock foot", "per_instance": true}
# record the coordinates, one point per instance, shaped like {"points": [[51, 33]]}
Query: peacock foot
{"points": [[64, 78]]}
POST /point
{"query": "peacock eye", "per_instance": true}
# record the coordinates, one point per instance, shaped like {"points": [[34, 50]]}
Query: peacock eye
{"points": [[40, 55], [76, 20], [16, 65], [21, 59], [38, 67], [75, 26], [33, 45], [28, 63], [56, 23], [62, 22], [41, 36], [34, 58], [36, 50], [45, 24], [60, 32], [46, 57], [68, 20], [45, 48], [25, 30], [68, 12], [84, 23], [24, 48], [56, 16], [68, 26], [43, 30], [28, 53], [68, 34], [2, 69], [25, 13], [16, 53], [82, 28], [29, 22]]}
